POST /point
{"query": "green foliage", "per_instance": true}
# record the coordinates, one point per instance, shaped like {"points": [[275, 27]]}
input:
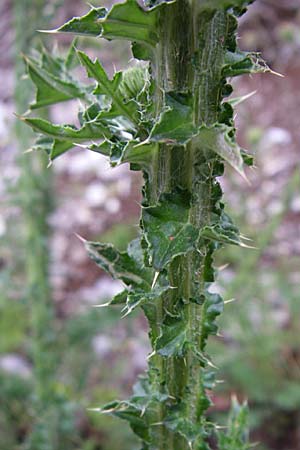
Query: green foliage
{"points": [[169, 120], [236, 437], [12, 313], [51, 76], [167, 230]]}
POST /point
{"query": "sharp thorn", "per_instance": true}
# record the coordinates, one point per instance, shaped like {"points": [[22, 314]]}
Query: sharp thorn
{"points": [[80, 238]]}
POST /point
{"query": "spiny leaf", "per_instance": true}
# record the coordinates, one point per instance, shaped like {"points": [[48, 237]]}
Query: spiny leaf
{"points": [[124, 21], [167, 230], [178, 422], [212, 307], [120, 298], [71, 60], [173, 340], [129, 21], [89, 131], [139, 154], [107, 86], [87, 25], [222, 229], [236, 437], [53, 147], [133, 413], [51, 88], [143, 298], [219, 139], [239, 63], [139, 409], [247, 158], [175, 125], [208, 4], [127, 152], [120, 265], [128, 267]]}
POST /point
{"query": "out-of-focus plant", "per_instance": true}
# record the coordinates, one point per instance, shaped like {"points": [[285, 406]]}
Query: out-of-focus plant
{"points": [[262, 357], [52, 422], [168, 118]]}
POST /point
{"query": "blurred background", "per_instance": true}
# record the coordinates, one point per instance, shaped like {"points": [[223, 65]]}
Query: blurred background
{"points": [[60, 356]]}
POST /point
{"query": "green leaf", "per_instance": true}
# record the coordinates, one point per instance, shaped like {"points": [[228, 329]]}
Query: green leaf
{"points": [[237, 434], [239, 63], [104, 148], [144, 298], [108, 87], [53, 147], [129, 21], [247, 158], [127, 152], [173, 341], [133, 413], [140, 409], [219, 139], [142, 155], [167, 230], [212, 307], [87, 25], [120, 298], [51, 88], [222, 230], [128, 267], [175, 124], [208, 4], [178, 422], [89, 131], [141, 51], [124, 21], [120, 265]]}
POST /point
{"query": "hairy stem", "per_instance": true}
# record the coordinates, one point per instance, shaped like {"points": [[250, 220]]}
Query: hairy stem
{"points": [[189, 59]]}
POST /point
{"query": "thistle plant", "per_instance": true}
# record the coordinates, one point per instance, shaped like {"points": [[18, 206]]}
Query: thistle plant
{"points": [[167, 116]]}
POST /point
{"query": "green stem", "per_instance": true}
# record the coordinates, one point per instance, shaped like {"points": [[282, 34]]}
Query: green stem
{"points": [[189, 59]]}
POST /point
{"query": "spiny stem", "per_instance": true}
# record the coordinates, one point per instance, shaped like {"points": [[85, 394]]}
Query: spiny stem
{"points": [[182, 32], [185, 134]]}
